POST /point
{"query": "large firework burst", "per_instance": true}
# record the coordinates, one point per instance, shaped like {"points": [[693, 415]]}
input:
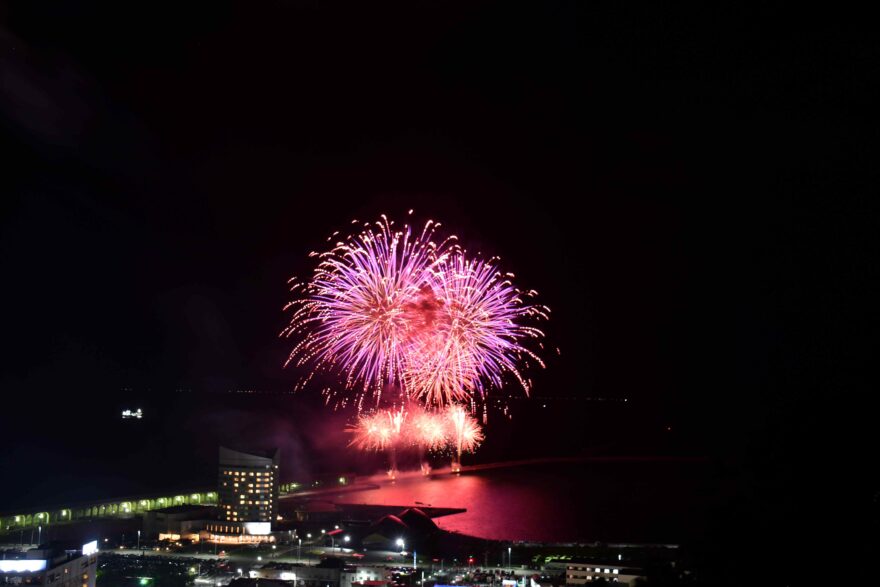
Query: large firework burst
{"points": [[393, 308], [365, 304], [479, 337]]}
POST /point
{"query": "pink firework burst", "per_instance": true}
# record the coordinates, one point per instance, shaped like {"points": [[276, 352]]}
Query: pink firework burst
{"points": [[465, 431], [392, 308], [378, 431], [483, 333], [428, 430], [366, 302]]}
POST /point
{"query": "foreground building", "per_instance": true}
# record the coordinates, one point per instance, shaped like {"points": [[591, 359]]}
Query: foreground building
{"points": [[583, 572], [323, 575], [52, 564]]}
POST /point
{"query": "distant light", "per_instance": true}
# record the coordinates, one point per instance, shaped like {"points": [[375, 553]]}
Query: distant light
{"points": [[259, 558], [347, 538]]}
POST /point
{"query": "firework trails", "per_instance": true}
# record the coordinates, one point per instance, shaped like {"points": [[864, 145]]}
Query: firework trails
{"points": [[393, 308]]}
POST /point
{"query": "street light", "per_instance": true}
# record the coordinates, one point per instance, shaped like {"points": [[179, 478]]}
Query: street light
{"points": [[509, 561], [299, 548], [400, 543], [139, 539]]}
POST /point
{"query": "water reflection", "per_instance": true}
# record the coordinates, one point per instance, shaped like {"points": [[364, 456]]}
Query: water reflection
{"points": [[637, 502]]}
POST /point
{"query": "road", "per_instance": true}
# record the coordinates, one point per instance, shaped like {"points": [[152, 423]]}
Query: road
{"points": [[310, 555]]}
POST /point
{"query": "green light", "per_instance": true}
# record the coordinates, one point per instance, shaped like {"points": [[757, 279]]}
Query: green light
{"points": [[144, 580]]}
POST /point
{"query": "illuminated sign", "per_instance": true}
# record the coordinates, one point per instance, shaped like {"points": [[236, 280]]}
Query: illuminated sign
{"points": [[90, 548], [22, 566], [258, 528], [285, 576]]}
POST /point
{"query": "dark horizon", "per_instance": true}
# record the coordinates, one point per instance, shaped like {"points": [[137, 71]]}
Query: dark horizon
{"points": [[690, 193]]}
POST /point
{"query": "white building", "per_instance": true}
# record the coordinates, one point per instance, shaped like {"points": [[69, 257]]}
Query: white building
{"points": [[55, 566], [583, 572]]}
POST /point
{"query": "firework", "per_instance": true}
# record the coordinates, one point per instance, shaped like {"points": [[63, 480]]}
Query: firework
{"points": [[390, 308], [428, 431], [366, 302], [482, 333], [380, 431], [465, 432]]}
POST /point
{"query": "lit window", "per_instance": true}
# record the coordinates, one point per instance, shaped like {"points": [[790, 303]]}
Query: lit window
{"points": [[616, 571]]}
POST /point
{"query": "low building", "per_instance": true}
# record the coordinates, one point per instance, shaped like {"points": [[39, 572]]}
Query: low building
{"points": [[321, 575], [176, 522], [53, 564], [583, 572]]}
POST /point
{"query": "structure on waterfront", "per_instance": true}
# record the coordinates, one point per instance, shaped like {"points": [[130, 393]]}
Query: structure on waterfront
{"points": [[52, 564], [118, 508]]}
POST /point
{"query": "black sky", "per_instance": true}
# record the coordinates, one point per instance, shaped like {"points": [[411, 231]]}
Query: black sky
{"points": [[691, 192]]}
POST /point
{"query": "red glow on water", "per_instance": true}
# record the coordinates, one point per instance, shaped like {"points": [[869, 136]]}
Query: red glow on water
{"points": [[614, 501]]}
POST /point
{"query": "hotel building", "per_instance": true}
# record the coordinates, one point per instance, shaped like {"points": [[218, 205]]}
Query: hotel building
{"points": [[248, 496]]}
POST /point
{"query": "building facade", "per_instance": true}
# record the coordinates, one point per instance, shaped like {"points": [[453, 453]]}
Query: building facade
{"points": [[583, 572], [57, 566], [248, 486]]}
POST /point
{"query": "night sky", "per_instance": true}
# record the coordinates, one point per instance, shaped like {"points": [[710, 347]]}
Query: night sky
{"points": [[691, 193]]}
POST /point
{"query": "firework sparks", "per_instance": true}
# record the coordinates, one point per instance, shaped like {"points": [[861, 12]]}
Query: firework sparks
{"points": [[365, 303], [380, 431], [428, 431], [392, 308], [466, 433], [480, 337]]}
